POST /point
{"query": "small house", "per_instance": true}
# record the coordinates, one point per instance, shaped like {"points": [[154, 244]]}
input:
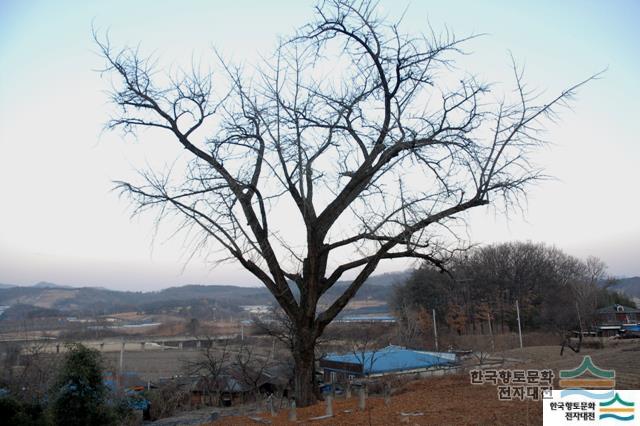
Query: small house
{"points": [[611, 320]]}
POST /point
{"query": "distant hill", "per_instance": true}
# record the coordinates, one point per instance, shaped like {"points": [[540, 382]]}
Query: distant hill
{"points": [[99, 300], [377, 287], [41, 284], [628, 286], [45, 284], [388, 279]]}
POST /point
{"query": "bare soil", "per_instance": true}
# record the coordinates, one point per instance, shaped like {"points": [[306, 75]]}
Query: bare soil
{"points": [[453, 400], [438, 401]]}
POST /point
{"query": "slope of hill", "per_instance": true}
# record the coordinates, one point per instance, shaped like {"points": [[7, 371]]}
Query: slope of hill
{"points": [[628, 286], [46, 284], [100, 300]]}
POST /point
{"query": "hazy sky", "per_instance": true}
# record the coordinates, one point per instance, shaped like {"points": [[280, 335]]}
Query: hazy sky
{"points": [[60, 221]]}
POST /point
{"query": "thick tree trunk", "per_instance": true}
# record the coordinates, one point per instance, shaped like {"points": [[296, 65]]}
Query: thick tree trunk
{"points": [[304, 369]]}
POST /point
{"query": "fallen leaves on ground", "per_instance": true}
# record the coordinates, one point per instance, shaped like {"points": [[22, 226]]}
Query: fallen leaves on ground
{"points": [[449, 400]]}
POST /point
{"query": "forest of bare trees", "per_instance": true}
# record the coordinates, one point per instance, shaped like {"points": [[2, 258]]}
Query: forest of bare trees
{"points": [[555, 291]]}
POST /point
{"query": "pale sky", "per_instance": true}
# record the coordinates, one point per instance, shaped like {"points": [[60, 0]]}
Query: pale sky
{"points": [[60, 221]]}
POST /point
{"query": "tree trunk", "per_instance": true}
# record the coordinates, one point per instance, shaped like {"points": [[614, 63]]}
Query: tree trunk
{"points": [[304, 369]]}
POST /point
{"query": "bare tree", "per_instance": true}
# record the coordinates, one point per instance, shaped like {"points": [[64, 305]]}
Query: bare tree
{"points": [[368, 138], [277, 325], [250, 367], [365, 348], [29, 370], [211, 365], [407, 326]]}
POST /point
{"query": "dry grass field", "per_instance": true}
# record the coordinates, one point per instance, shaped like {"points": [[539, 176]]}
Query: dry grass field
{"points": [[152, 365]]}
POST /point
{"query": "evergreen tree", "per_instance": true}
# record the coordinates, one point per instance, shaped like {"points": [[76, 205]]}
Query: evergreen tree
{"points": [[80, 395]]}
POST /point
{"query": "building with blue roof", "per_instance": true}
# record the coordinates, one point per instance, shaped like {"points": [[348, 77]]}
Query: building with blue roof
{"points": [[389, 360]]}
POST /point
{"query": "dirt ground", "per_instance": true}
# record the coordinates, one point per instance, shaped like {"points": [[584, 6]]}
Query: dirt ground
{"points": [[619, 355], [453, 400], [438, 401]]}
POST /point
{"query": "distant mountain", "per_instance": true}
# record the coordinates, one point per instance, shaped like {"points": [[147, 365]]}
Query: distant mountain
{"points": [[389, 278], [100, 300], [628, 286], [6, 285], [91, 299], [45, 284], [377, 287]]}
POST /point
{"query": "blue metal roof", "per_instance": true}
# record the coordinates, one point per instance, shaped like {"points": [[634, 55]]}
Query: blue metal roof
{"points": [[393, 359]]}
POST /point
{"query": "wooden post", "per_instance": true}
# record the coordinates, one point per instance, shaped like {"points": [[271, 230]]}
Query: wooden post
{"points": [[519, 325], [121, 372], [579, 319], [493, 342], [121, 356]]}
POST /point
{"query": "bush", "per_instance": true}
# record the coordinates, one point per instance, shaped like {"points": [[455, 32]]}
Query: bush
{"points": [[16, 413], [80, 396]]}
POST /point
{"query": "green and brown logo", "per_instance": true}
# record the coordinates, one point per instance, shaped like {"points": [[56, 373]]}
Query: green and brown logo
{"points": [[587, 376]]}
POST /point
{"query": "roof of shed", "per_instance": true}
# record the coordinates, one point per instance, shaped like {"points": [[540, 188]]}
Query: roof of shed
{"points": [[393, 358], [613, 309]]}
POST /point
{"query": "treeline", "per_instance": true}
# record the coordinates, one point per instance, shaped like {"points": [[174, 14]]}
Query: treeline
{"points": [[555, 291]]}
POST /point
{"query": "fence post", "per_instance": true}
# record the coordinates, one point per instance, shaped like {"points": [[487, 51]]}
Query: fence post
{"points": [[292, 412], [363, 397], [272, 409], [435, 329], [387, 394]]}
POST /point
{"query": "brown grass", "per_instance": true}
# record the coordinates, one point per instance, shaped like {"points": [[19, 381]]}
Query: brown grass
{"points": [[439, 401]]}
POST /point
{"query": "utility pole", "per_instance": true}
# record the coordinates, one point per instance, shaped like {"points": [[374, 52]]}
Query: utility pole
{"points": [[121, 372], [519, 325], [493, 342], [435, 329], [579, 319]]}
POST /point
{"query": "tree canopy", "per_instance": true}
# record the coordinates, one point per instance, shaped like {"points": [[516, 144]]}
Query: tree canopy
{"points": [[80, 394], [368, 140], [554, 290]]}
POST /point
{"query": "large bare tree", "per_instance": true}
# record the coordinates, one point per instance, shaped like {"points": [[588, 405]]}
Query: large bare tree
{"points": [[369, 140]]}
